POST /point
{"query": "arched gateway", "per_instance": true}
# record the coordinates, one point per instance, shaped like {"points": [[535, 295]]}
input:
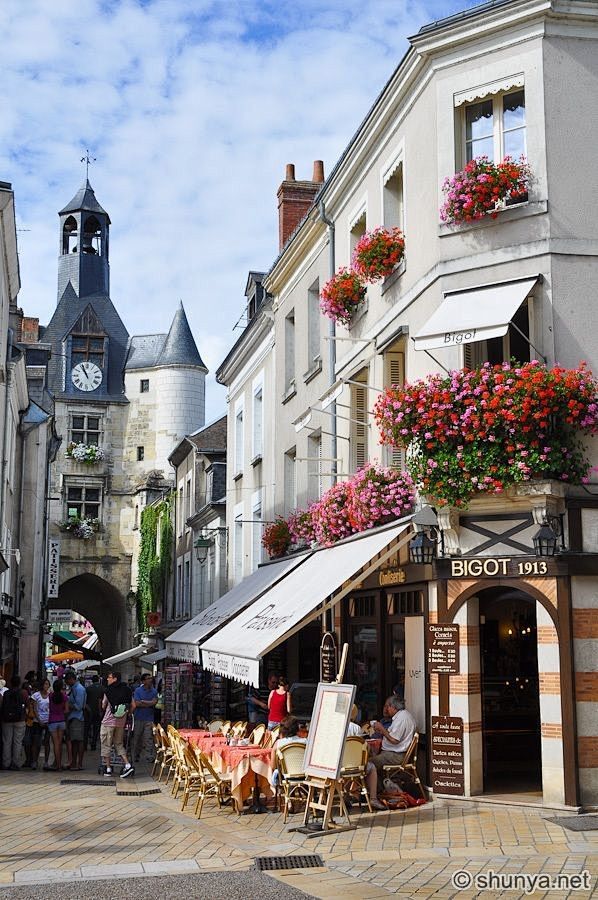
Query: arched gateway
{"points": [[101, 603]]}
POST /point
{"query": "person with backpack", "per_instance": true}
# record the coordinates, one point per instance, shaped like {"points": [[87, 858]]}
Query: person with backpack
{"points": [[13, 724]]}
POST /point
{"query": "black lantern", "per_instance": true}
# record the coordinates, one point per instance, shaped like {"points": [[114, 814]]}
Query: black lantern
{"points": [[202, 545], [205, 540], [422, 548], [545, 540]]}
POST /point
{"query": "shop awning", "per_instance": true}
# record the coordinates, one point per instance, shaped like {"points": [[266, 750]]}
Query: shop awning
{"points": [[235, 650], [184, 643], [125, 655], [151, 658], [476, 314]]}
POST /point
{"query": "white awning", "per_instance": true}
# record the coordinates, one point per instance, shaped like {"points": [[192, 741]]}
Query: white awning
{"points": [[151, 658], [126, 654], [476, 314], [236, 649], [184, 642], [490, 89]]}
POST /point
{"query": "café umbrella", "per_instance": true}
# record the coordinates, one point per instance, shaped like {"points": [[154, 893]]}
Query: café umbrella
{"points": [[65, 656]]}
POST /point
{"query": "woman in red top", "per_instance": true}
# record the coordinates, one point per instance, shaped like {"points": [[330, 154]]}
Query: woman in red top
{"points": [[278, 704]]}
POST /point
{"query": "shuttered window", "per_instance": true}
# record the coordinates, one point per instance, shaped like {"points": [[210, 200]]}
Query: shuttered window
{"points": [[256, 531], [359, 425], [394, 373]]}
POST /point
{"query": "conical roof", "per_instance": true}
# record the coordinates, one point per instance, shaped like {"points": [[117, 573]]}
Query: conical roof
{"points": [[84, 199], [179, 347]]}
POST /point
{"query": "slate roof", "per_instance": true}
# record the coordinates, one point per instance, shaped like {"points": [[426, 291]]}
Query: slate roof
{"points": [[210, 437], [177, 348], [84, 199]]}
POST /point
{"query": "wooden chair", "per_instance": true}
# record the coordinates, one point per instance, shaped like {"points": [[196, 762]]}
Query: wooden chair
{"points": [[192, 775], [353, 769], [215, 726], [257, 735], [292, 777], [225, 728], [212, 783], [408, 767], [167, 759], [158, 749], [179, 765], [238, 729]]}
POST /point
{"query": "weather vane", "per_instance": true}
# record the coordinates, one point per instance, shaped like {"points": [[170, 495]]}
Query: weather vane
{"points": [[87, 159]]}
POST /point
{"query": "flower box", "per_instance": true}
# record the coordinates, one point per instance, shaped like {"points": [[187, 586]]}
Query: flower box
{"points": [[484, 188], [83, 529], [88, 454], [342, 296], [378, 253]]}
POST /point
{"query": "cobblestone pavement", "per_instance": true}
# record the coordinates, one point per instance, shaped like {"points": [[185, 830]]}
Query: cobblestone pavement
{"points": [[79, 832]]}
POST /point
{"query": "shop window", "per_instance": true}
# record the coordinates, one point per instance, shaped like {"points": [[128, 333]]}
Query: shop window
{"points": [[85, 429], [363, 607], [83, 501], [405, 603], [515, 344], [495, 127]]}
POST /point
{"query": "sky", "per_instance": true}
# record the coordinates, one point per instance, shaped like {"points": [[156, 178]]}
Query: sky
{"points": [[191, 109]]}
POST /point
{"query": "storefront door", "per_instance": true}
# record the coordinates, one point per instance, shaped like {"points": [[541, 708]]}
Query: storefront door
{"points": [[510, 691]]}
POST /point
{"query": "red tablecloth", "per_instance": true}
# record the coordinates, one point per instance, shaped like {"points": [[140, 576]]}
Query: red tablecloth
{"points": [[207, 744], [189, 733], [246, 764]]}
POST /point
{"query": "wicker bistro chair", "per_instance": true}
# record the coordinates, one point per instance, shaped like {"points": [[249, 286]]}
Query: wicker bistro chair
{"points": [[179, 767], [212, 783], [292, 777], [353, 769], [257, 735], [408, 767], [225, 727], [159, 749], [238, 729], [215, 726], [274, 734], [167, 756], [192, 776]]}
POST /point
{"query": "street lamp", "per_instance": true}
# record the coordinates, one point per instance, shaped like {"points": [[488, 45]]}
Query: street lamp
{"points": [[546, 537], [423, 546], [207, 537]]}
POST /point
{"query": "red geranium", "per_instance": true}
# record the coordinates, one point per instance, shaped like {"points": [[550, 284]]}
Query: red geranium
{"points": [[341, 296], [481, 186], [378, 252]]}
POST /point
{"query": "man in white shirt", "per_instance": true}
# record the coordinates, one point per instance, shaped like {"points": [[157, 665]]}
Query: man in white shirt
{"points": [[397, 737]]}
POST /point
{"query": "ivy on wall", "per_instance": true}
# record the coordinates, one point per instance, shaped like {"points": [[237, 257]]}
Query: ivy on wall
{"points": [[153, 568]]}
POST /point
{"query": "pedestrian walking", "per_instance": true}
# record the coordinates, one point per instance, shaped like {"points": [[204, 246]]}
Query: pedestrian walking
{"points": [[116, 704], [59, 707], [75, 726], [40, 701], [95, 692], [13, 724], [145, 698]]}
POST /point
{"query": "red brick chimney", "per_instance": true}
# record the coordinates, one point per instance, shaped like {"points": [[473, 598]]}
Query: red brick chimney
{"points": [[295, 198]]}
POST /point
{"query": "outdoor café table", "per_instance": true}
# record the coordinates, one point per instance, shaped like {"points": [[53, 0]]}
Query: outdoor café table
{"points": [[190, 733], [206, 744], [250, 770]]}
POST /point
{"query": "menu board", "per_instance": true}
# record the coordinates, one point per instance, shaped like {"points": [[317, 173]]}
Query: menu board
{"points": [[447, 755], [443, 649], [328, 729]]}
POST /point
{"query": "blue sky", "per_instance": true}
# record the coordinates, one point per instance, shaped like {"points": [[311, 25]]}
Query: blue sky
{"points": [[192, 109]]}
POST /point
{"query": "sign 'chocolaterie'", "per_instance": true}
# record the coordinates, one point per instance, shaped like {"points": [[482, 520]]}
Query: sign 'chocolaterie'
{"points": [[443, 649], [447, 755]]}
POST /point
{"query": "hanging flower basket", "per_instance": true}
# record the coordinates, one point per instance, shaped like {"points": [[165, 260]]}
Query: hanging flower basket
{"points": [[88, 454], [83, 529], [484, 430], [479, 189], [331, 515], [342, 296], [276, 538], [379, 495], [378, 253]]}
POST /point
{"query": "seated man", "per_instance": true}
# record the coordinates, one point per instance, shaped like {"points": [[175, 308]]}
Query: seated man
{"points": [[395, 741]]}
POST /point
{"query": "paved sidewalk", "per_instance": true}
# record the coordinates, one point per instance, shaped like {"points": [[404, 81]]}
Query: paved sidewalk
{"points": [[57, 833]]}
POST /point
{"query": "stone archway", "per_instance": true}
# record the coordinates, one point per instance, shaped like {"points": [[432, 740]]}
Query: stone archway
{"points": [[102, 604]]}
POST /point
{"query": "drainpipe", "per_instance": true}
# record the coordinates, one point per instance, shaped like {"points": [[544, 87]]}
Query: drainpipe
{"points": [[7, 387], [331, 338]]}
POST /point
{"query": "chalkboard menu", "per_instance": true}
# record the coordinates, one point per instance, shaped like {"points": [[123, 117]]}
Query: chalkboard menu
{"points": [[443, 649], [447, 755], [328, 658]]}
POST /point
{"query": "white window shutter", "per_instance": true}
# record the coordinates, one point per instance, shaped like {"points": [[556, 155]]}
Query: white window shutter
{"points": [[394, 374], [359, 414]]}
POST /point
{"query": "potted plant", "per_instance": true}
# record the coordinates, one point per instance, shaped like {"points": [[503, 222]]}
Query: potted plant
{"points": [[480, 188], [378, 253], [88, 454], [487, 429], [342, 295]]}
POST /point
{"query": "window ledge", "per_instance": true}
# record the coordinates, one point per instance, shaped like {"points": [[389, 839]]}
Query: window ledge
{"points": [[256, 460], [237, 476], [392, 279], [315, 370], [289, 392], [505, 214]]}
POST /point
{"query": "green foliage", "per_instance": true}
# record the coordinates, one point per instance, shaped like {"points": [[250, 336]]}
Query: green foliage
{"points": [[154, 568]]}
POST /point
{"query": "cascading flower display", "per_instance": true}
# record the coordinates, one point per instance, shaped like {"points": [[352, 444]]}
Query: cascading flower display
{"points": [[475, 192], [379, 495], [89, 454], [301, 527], [483, 430], [331, 515], [378, 252], [276, 538], [342, 295]]}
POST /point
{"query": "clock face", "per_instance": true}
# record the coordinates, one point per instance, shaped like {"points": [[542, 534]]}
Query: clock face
{"points": [[86, 376]]}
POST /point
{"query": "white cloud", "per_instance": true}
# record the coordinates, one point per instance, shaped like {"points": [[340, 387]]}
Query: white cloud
{"points": [[192, 110]]}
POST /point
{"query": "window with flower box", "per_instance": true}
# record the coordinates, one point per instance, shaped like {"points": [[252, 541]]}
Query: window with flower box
{"points": [[83, 500], [85, 428]]}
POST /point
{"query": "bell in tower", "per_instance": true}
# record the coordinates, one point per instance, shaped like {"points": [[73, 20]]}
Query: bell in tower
{"points": [[83, 259]]}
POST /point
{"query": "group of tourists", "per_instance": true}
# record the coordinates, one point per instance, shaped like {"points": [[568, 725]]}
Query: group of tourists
{"points": [[68, 716]]}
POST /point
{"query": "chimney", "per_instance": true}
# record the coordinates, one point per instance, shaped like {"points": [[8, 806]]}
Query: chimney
{"points": [[29, 330], [295, 199]]}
